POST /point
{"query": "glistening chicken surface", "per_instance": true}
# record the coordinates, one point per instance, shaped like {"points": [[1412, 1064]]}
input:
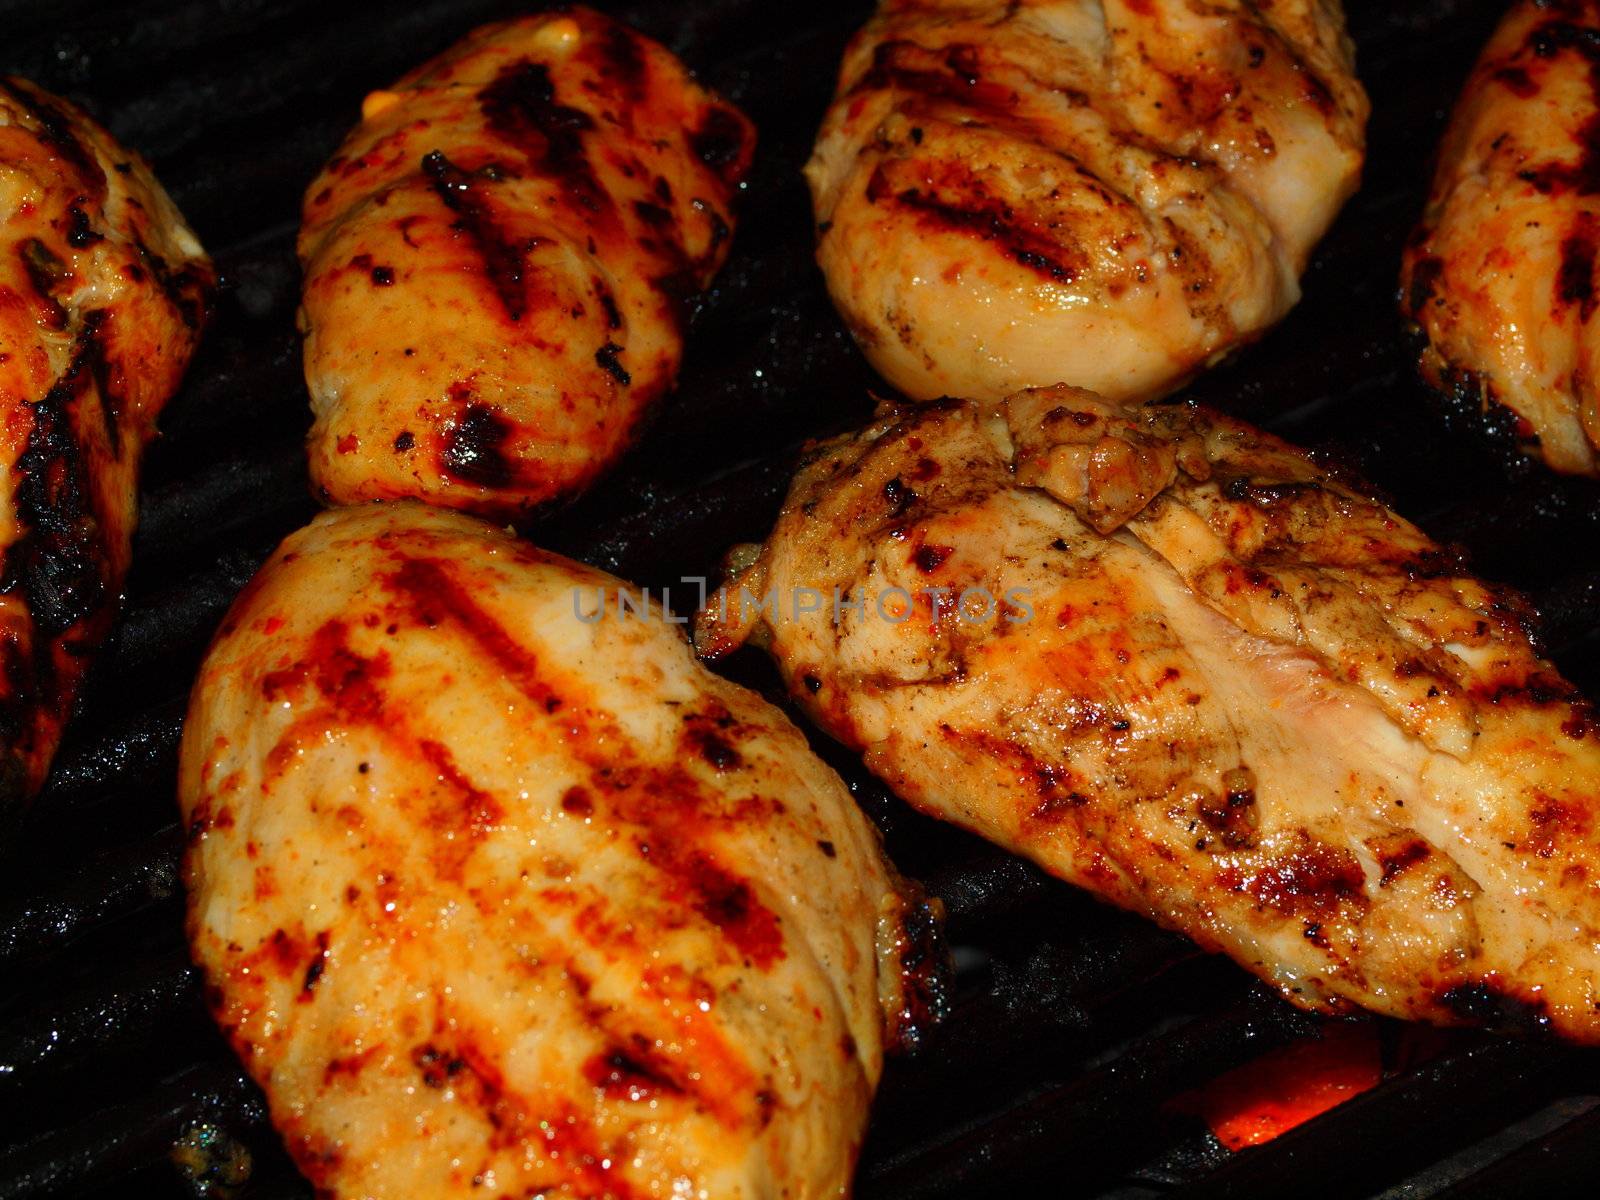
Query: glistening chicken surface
{"points": [[498, 258], [1252, 702], [493, 899], [103, 292], [1111, 195]]}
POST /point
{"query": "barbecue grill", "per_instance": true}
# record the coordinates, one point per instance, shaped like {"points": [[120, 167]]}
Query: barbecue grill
{"points": [[1079, 1035]]}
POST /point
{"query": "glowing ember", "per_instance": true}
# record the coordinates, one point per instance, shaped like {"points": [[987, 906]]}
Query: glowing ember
{"points": [[1288, 1086]]}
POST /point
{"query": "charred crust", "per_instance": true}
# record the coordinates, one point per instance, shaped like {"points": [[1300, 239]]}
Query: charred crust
{"points": [[46, 272], [55, 128], [60, 565], [520, 106], [1466, 401], [1582, 176], [1395, 861], [1423, 283], [705, 735], [1316, 882], [1268, 495], [607, 359], [926, 972], [190, 289], [722, 142], [1575, 276], [984, 218], [631, 1073], [619, 57], [472, 448], [504, 262], [437, 1067], [1484, 1002], [953, 76], [80, 233], [899, 496]]}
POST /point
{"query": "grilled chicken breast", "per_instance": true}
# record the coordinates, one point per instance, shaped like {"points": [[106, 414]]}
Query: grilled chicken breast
{"points": [[1499, 277], [103, 290], [496, 263], [498, 892], [1063, 191], [1175, 663]]}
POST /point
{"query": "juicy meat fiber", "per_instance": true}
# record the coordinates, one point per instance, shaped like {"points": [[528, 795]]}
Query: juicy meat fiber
{"points": [[1214, 685], [1110, 195], [103, 290], [497, 261], [496, 901], [1500, 276]]}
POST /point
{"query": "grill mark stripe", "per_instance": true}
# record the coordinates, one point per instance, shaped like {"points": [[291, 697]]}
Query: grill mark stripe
{"points": [[722, 897], [503, 262]]}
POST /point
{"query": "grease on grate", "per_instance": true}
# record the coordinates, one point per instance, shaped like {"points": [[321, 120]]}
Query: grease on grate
{"points": [[212, 1162]]}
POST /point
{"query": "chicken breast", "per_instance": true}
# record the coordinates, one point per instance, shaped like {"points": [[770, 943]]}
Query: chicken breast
{"points": [[498, 892], [1176, 663], [497, 259], [1111, 195], [1500, 275], [103, 290]]}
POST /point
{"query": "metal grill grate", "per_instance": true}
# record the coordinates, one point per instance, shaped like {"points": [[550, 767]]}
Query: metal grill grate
{"points": [[1075, 1024]]}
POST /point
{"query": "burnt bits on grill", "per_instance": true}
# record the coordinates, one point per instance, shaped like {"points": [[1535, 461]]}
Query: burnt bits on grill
{"points": [[466, 861], [103, 290], [497, 258], [1173, 661], [1500, 275], [1109, 195]]}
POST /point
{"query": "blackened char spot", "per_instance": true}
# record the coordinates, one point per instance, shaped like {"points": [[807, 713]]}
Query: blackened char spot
{"points": [[653, 214], [606, 356], [899, 496], [715, 749], [472, 449], [45, 272], [1270, 494], [729, 903], [105, 384], [188, 289], [719, 142], [1518, 80], [624, 1075], [79, 232], [1575, 279], [315, 969], [59, 566], [1424, 279], [503, 261], [520, 105], [621, 60]]}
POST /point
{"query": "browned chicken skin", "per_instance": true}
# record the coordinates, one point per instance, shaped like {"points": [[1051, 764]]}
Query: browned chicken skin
{"points": [[1500, 277], [1112, 195], [1206, 681], [497, 258], [103, 289], [496, 899]]}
